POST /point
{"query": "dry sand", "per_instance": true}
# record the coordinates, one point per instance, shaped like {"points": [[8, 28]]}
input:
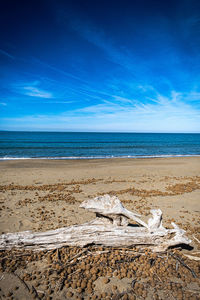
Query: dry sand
{"points": [[45, 194]]}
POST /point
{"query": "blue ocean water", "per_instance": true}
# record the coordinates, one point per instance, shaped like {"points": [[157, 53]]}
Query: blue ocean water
{"points": [[76, 145]]}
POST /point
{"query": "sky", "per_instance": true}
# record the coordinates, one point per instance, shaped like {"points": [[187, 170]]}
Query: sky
{"points": [[105, 66]]}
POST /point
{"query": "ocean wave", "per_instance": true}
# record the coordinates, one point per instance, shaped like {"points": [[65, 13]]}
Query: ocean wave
{"points": [[98, 157]]}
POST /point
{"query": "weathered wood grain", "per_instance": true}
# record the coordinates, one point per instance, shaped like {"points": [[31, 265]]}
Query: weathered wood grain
{"points": [[110, 228]]}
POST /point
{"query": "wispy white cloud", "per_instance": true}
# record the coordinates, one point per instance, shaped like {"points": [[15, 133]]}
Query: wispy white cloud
{"points": [[187, 96], [103, 108], [6, 54], [36, 92], [123, 99], [32, 89], [3, 103], [60, 102], [113, 52], [161, 106], [58, 70], [164, 115]]}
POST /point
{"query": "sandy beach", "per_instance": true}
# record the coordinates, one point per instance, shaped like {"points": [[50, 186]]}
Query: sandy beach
{"points": [[39, 195]]}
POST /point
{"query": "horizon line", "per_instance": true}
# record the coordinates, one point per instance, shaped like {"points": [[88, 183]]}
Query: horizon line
{"points": [[134, 132]]}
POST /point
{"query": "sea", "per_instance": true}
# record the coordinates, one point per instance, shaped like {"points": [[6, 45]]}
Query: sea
{"points": [[90, 145]]}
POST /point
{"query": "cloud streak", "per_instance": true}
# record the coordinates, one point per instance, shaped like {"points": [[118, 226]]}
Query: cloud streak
{"points": [[164, 115], [57, 70], [6, 54], [99, 39], [32, 89], [36, 92]]}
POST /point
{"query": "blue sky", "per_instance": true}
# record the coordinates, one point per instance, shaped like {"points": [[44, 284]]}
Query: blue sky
{"points": [[121, 66]]}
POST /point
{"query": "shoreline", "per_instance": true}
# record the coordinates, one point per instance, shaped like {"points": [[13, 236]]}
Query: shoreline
{"points": [[104, 159], [99, 158]]}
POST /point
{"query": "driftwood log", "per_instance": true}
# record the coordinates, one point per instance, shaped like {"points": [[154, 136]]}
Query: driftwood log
{"points": [[113, 226]]}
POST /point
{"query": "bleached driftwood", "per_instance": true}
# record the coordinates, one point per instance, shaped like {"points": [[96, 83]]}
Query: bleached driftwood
{"points": [[110, 228], [112, 208]]}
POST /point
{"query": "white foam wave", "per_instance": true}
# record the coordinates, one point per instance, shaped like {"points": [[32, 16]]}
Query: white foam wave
{"points": [[98, 157]]}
